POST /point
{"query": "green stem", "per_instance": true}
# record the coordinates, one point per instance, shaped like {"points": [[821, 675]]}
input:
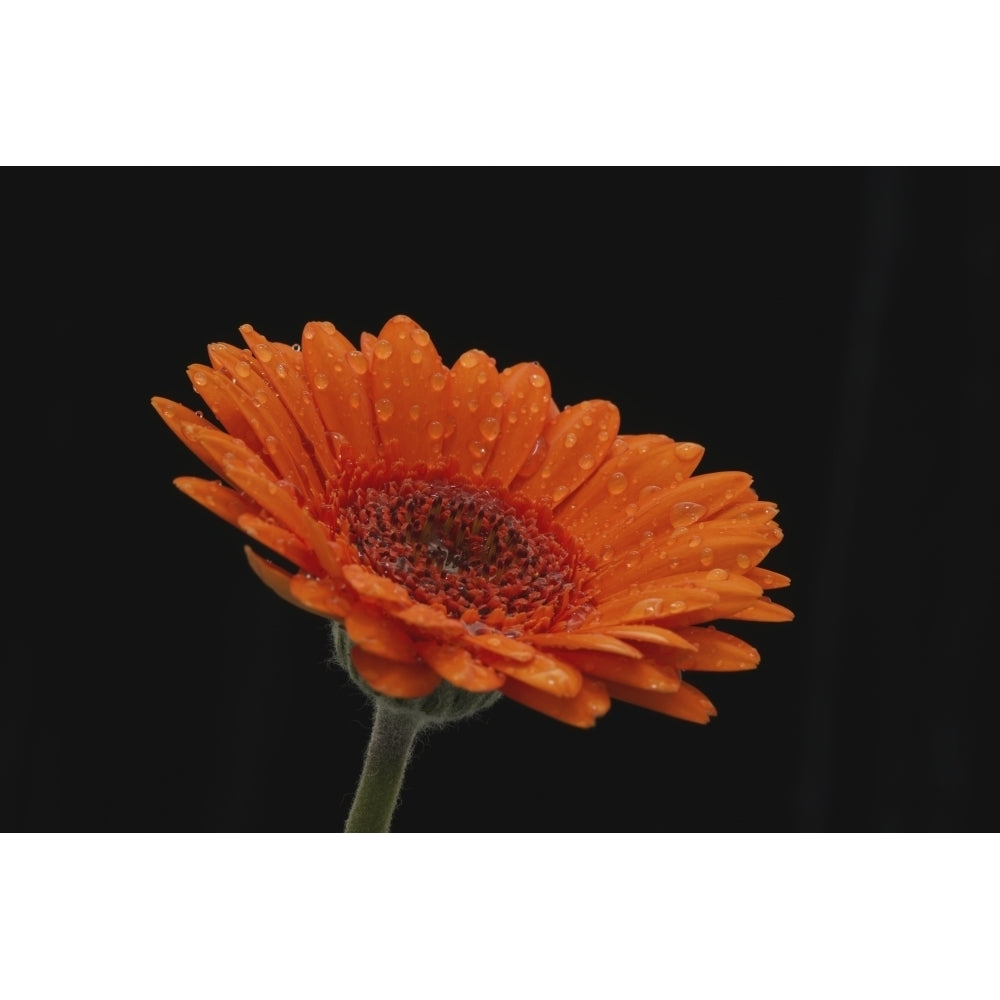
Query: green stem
{"points": [[393, 733]]}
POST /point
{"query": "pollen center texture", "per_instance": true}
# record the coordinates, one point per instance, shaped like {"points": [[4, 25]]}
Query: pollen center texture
{"points": [[480, 554]]}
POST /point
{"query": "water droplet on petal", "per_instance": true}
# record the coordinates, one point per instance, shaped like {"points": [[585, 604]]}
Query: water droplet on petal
{"points": [[355, 400], [242, 369], [489, 427], [321, 380], [416, 355], [617, 483], [706, 557], [435, 430], [477, 449], [586, 461], [384, 406], [357, 361], [469, 359], [676, 607], [264, 353], [473, 404], [537, 379], [481, 377], [200, 378], [717, 574], [647, 607], [569, 440], [606, 553], [415, 412], [383, 349], [686, 450], [438, 381], [743, 561], [535, 458], [281, 370], [559, 492], [420, 337], [296, 347], [497, 399]]}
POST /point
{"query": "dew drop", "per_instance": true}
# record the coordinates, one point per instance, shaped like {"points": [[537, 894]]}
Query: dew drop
{"points": [[271, 443], [200, 378], [264, 353], [321, 380], [281, 370], [646, 539], [357, 361], [512, 417], [469, 360], [686, 450], [559, 493], [296, 347], [308, 333], [169, 412], [383, 349], [588, 420], [537, 379], [647, 607], [478, 467], [199, 413], [481, 377], [676, 607], [717, 574], [685, 513], [415, 412], [242, 369], [438, 381], [743, 561], [472, 404], [607, 553], [489, 427], [586, 461], [355, 400], [706, 557], [383, 406], [435, 430], [695, 541], [535, 458], [569, 440], [477, 449], [497, 399], [617, 483], [420, 337], [648, 491], [416, 355], [260, 397]]}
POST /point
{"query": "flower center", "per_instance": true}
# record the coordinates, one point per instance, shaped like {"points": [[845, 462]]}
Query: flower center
{"points": [[477, 552]]}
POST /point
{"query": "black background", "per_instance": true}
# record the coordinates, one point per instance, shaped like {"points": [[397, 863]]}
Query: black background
{"points": [[830, 331]]}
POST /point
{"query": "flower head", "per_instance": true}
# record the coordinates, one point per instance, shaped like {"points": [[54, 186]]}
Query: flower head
{"points": [[462, 528]]}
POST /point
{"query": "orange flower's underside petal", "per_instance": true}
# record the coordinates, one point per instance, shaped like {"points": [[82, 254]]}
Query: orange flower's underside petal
{"points": [[651, 634], [339, 376], [392, 678], [714, 650], [369, 629], [636, 469], [498, 645], [686, 703], [279, 580], [576, 443], [526, 398], [598, 641], [583, 710], [656, 601], [217, 390], [428, 621], [767, 578], [376, 588], [547, 673], [217, 497], [459, 667], [641, 673], [408, 381], [323, 597], [473, 411], [763, 610]]}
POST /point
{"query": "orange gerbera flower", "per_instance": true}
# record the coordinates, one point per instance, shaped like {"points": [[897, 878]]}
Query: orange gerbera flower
{"points": [[463, 528]]}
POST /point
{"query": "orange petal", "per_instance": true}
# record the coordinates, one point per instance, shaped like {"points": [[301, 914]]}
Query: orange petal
{"points": [[339, 376], [495, 644], [429, 621], [526, 397], [186, 424], [216, 497], [641, 673], [284, 543], [635, 470], [583, 710], [459, 667], [652, 634], [547, 673], [408, 381], [767, 578], [653, 602], [323, 597], [597, 641], [392, 678], [714, 651], [376, 588], [577, 443], [763, 610], [686, 703], [278, 580], [370, 629], [473, 411]]}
